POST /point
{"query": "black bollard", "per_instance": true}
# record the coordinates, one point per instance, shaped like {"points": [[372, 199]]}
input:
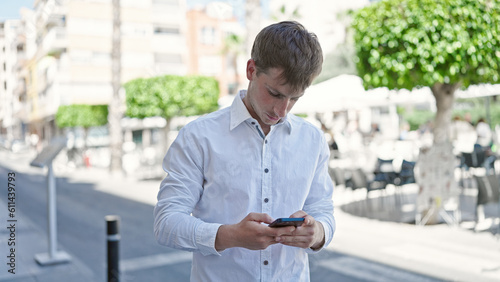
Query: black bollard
{"points": [[112, 223]]}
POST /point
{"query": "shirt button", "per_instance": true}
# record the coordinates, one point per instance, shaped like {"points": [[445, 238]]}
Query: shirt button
{"points": [[266, 200], [266, 170], [266, 262], [253, 122], [265, 142]]}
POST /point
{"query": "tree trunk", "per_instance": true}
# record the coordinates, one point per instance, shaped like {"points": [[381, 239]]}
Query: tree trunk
{"points": [[437, 182], [115, 114], [166, 139], [234, 62], [444, 94], [252, 23]]}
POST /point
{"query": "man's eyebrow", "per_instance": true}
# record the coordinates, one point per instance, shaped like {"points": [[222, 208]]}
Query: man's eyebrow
{"points": [[276, 92], [269, 88]]}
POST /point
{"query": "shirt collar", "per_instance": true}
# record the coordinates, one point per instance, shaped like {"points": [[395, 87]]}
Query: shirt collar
{"points": [[239, 113]]}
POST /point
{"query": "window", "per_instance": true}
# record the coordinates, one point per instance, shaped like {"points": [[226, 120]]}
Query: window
{"points": [[90, 57], [207, 35], [166, 30], [135, 29], [155, 136], [137, 136]]}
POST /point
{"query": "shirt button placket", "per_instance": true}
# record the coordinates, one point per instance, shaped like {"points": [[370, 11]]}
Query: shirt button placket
{"points": [[266, 204], [266, 176]]}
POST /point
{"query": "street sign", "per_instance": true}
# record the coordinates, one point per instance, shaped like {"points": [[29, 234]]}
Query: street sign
{"points": [[49, 153], [44, 159]]}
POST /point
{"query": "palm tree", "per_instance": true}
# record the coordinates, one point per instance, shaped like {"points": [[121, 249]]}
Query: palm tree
{"points": [[252, 22], [232, 48], [115, 115]]}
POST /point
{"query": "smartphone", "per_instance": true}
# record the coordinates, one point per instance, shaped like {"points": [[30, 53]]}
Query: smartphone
{"points": [[280, 222]]}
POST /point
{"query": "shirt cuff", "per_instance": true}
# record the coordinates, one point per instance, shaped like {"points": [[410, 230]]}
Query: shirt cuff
{"points": [[205, 238], [326, 241]]}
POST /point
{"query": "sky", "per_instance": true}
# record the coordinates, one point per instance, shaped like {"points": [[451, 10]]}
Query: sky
{"points": [[9, 9]]}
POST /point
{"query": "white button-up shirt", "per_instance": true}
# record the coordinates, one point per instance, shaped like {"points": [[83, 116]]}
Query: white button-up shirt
{"points": [[222, 167]]}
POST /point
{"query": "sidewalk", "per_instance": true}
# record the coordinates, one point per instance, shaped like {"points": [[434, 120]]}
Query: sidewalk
{"points": [[441, 251]]}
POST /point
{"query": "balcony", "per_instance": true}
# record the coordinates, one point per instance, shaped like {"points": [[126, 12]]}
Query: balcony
{"points": [[56, 20], [55, 40]]}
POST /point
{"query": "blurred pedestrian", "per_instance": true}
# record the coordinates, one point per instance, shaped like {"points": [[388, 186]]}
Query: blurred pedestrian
{"points": [[35, 142], [232, 172], [484, 134], [468, 118], [462, 135], [330, 139]]}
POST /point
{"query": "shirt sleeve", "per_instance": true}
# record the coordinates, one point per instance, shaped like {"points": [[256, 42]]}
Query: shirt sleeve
{"points": [[319, 203], [179, 192]]}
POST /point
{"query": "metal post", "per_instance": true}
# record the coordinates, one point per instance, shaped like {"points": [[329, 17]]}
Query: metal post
{"points": [[112, 224], [53, 256], [51, 212]]}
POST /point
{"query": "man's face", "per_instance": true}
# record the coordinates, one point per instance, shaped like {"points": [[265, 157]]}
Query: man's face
{"points": [[268, 100]]}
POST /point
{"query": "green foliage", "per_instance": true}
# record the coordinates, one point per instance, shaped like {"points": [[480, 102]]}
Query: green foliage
{"points": [[285, 15], [169, 96], [233, 44], [477, 108], [416, 118], [82, 115], [409, 43]]}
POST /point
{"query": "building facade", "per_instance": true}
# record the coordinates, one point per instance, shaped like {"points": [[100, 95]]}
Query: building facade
{"points": [[215, 46], [68, 53], [11, 53], [59, 53]]}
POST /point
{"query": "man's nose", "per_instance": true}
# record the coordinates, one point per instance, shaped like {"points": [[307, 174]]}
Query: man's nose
{"points": [[281, 107]]}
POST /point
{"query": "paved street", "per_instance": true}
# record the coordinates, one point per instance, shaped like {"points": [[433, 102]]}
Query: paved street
{"points": [[363, 249]]}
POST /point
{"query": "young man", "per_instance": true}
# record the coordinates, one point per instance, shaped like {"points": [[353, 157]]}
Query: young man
{"points": [[232, 172]]}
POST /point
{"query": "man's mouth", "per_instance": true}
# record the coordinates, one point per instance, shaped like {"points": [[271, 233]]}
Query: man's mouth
{"points": [[273, 118]]}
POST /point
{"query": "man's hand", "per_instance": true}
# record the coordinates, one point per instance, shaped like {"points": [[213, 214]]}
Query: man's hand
{"points": [[309, 235], [250, 233]]}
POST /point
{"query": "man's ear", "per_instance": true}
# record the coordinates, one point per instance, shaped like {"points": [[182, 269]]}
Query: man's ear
{"points": [[251, 69]]}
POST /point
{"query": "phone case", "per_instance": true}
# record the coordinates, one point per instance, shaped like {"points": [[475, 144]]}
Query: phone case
{"points": [[280, 222]]}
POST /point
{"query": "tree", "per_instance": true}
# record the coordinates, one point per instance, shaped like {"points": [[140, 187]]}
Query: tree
{"points": [[442, 44], [232, 48], [170, 96], [286, 15], [252, 23], [85, 116], [115, 113]]}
